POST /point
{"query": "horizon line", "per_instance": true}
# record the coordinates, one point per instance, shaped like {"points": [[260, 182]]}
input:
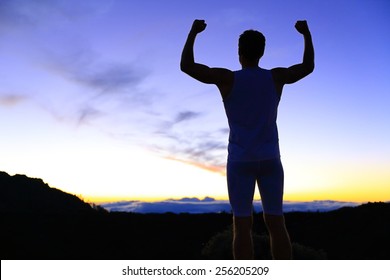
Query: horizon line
{"points": [[205, 199]]}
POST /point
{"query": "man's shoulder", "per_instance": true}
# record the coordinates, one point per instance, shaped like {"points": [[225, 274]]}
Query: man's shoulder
{"points": [[278, 73]]}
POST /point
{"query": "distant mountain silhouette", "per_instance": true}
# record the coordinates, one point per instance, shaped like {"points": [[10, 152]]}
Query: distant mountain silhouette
{"points": [[39, 222]]}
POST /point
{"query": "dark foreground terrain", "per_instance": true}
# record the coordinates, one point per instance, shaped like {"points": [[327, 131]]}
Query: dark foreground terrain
{"points": [[39, 222]]}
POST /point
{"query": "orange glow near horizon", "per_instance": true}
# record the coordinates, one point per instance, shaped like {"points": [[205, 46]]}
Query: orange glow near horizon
{"points": [[204, 181], [215, 169], [352, 193], [293, 197]]}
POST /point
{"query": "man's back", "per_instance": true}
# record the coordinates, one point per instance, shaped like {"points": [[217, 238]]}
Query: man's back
{"points": [[251, 108], [251, 97]]}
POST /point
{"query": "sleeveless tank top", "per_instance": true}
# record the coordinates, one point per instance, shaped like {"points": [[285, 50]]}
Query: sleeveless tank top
{"points": [[251, 108]]}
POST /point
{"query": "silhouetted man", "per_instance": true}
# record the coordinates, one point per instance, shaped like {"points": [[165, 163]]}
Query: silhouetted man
{"points": [[251, 97]]}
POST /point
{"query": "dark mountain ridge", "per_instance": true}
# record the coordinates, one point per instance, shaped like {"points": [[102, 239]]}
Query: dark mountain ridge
{"points": [[20, 193], [39, 222]]}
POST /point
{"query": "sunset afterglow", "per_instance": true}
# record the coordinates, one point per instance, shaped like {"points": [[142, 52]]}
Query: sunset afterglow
{"points": [[92, 99]]}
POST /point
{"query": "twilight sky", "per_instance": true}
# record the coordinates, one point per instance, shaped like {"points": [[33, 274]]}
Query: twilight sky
{"points": [[92, 99]]}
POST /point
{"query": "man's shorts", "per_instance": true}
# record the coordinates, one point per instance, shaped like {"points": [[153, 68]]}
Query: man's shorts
{"points": [[242, 177]]}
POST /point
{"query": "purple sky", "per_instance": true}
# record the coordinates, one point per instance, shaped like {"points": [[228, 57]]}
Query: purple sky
{"points": [[92, 99]]}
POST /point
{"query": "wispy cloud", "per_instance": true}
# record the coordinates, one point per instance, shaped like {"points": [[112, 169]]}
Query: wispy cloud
{"points": [[202, 165], [84, 66], [9, 100], [181, 141], [88, 113], [185, 116], [168, 127], [109, 78], [102, 88], [21, 13]]}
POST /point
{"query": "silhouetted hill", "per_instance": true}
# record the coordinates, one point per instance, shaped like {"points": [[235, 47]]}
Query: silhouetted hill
{"points": [[361, 232], [20, 193], [39, 222]]}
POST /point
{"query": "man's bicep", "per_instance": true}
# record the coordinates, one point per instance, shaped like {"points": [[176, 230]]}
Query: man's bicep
{"points": [[289, 75], [198, 71], [208, 75], [295, 73]]}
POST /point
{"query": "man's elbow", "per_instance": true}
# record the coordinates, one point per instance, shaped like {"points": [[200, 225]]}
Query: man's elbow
{"points": [[185, 67], [309, 68]]}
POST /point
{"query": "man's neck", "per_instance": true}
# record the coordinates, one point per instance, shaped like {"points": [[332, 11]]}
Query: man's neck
{"points": [[249, 64]]}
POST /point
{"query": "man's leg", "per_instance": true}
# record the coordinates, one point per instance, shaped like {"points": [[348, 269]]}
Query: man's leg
{"points": [[241, 187], [242, 238], [271, 184], [279, 238]]}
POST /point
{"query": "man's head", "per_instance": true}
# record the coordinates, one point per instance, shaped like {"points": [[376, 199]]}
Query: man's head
{"points": [[251, 46]]}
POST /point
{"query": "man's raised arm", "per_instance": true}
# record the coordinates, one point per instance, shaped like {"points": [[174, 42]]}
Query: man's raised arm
{"points": [[187, 63], [218, 76], [296, 72], [308, 55]]}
